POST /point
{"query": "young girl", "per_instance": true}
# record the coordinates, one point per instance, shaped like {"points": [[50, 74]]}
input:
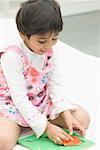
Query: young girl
{"points": [[31, 92]]}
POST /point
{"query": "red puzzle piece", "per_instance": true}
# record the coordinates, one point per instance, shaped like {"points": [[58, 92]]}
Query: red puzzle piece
{"points": [[76, 141]]}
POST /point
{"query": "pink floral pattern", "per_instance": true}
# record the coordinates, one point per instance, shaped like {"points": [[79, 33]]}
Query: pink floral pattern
{"points": [[36, 84]]}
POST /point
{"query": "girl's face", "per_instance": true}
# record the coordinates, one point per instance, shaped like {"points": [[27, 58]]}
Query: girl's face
{"points": [[39, 44]]}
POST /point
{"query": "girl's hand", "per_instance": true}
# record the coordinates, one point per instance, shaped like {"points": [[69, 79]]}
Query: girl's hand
{"points": [[72, 123], [56, 134]]}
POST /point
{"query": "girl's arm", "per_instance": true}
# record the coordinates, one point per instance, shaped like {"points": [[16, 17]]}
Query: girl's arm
{"points": [[13, 70]]}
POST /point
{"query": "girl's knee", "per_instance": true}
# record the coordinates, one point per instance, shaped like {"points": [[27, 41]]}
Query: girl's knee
{"points": [[6, 143], [9, 133], [82, 116]]}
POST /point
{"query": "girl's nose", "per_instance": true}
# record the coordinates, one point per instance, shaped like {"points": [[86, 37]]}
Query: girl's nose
{"points": [[48, 45]]}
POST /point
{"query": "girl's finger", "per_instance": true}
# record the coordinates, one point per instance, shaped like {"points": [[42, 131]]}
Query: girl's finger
{"points": [[82, 132], [81, 128], [64, 134], [59, 141], [64, 137], [70, 127]]}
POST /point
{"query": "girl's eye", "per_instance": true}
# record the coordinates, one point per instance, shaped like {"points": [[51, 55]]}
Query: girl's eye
{"points": [[42, 42], [54, 39]]}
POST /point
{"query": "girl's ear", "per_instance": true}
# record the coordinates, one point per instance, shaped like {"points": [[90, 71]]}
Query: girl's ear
{"points": [[23, 36]]}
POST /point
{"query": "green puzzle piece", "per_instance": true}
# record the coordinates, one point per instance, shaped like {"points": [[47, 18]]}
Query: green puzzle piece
{"points": [[43, 143]]}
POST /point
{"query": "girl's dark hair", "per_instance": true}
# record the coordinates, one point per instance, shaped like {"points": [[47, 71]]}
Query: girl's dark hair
{"points": [[39, 17]]}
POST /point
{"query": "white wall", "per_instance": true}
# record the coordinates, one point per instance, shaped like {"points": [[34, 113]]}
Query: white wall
{"points": [[8, 8], [70, 7]]}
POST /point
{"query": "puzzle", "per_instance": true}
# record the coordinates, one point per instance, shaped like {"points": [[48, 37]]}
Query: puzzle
{"points": [[76, 141], [43, 143]]}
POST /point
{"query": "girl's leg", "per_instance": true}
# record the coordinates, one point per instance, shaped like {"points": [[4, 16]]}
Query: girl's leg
{"points": [[9, 133], [79, 113], [82, 116]]}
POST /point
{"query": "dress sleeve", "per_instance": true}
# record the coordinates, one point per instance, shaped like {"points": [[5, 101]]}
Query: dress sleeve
{"points": [[56, 83], [12, 66]]}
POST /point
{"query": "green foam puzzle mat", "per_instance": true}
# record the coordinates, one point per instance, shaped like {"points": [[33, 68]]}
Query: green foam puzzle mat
{"points": [[43, 143]]}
